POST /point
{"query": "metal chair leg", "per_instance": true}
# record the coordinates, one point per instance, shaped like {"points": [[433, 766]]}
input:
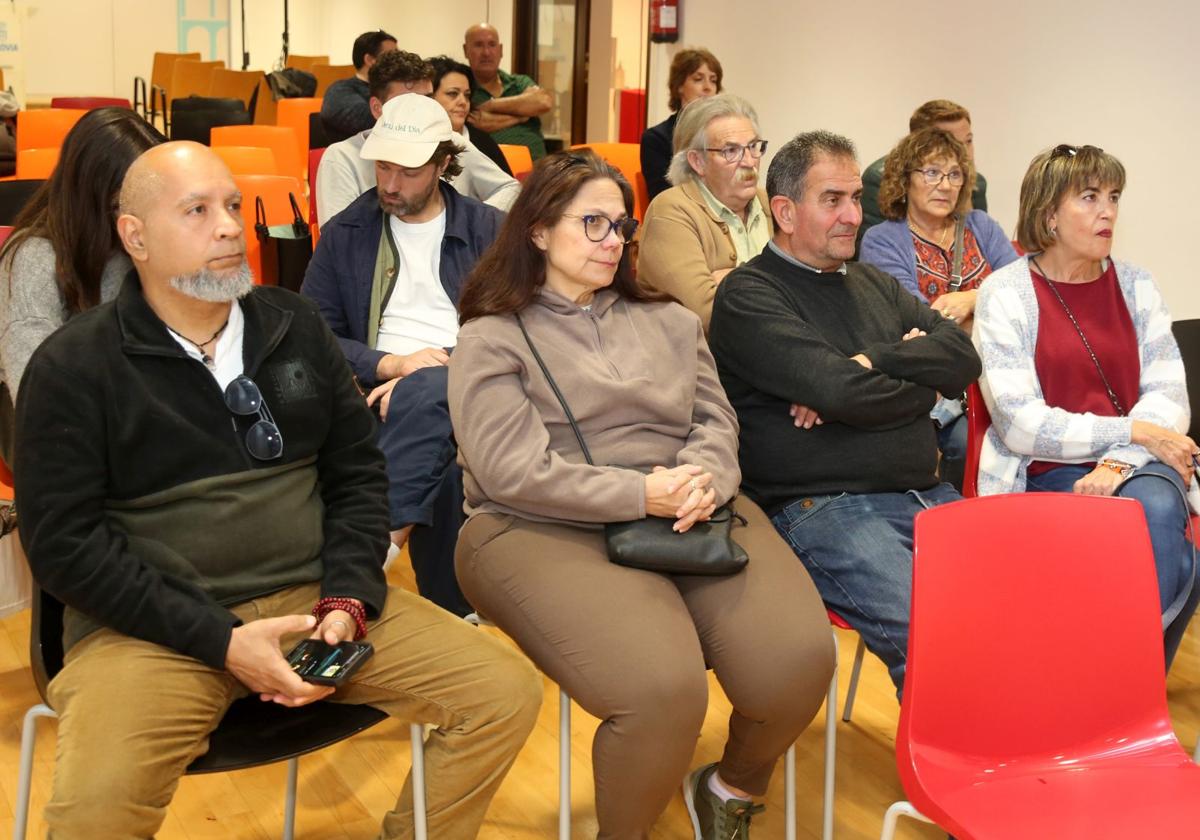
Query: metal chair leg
{"points": [[850, 692], [417, 734], [25, 773], [830, 748], [897, 810], [289, 799], [789, 795], [564, 766]]}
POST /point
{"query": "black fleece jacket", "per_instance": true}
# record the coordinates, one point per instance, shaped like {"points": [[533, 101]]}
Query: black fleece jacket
{"points": [[782, 334], [116, 422]]}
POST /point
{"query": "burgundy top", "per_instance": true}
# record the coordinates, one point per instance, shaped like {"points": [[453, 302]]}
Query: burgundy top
{"points": [[1065, 369], [934, 265]]}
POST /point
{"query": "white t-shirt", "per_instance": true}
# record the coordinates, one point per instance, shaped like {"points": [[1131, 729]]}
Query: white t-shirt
{"points": [[227, 355], [419, 313]]}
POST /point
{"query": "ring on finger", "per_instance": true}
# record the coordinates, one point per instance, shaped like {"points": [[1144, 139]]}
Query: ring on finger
{"points": [[694, 485]]}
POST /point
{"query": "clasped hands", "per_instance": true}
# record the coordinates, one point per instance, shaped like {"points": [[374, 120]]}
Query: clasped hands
{"points": [[682, 493], [394, 367], [1172, 448], [804, 417], [256, 660]]}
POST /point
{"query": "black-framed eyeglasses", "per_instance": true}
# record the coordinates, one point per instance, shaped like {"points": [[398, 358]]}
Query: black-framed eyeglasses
{"points": [[1070, 151], [734, 152], [263, 440], [597, 227], [933, 176]]}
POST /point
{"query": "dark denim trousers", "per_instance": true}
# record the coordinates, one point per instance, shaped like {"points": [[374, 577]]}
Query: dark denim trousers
{"points": [[858, 549], [1163, 497]]}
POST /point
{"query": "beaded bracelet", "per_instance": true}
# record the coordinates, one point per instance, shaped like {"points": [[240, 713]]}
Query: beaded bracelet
{"points": [[327, 605]]}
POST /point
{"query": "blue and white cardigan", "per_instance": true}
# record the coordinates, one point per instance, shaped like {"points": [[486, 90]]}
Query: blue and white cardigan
{"points": [[1023, 427]]}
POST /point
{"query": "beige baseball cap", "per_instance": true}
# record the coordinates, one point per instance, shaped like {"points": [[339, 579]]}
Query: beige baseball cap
{"points": [[409, 130]]}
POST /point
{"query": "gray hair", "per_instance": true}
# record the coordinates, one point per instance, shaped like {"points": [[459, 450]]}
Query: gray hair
{"points": [[789, 167], [691, 129]]}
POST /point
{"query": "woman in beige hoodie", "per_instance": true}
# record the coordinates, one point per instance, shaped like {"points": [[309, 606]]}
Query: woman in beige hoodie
{"points": [[629, 646]]}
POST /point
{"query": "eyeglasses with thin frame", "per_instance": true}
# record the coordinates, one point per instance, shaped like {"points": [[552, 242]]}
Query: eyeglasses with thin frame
{"points": [[933, 176], [597, 227], [734, 152], [263, 439], [1068, 150]]}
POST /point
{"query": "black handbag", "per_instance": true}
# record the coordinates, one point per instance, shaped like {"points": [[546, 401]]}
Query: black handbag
{"points": [[707, 548], [286, 249]]}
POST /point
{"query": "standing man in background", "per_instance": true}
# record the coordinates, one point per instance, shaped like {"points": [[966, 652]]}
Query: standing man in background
{"points": [[505, 105]]}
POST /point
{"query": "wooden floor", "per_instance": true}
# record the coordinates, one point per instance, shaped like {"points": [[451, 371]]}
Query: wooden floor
{"points": [[344, 790]]}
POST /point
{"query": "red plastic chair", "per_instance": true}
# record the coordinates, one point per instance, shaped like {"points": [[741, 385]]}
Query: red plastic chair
{"points": [[978, 422], [837, 621], [89, 103], [1023, 716]]}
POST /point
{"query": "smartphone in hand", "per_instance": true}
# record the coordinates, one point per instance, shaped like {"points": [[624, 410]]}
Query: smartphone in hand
{"points": [[321, 663]]}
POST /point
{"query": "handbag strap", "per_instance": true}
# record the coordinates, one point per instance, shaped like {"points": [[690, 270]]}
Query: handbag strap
{"points": [[956, 278], [1112, 395], [554, 387], [299, 226]]}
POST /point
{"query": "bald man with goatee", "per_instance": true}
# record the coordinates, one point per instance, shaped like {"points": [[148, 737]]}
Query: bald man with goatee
{"points": [[201, 489]]}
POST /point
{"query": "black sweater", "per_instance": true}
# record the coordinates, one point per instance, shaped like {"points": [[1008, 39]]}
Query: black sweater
{"points": [[782, 334], [141, 509]]}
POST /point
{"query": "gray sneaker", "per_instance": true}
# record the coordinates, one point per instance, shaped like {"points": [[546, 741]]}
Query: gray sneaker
{"points": [[712, 817]]}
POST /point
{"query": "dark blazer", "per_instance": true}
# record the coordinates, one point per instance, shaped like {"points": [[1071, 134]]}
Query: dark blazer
{"points": [[656, 155], [343, 266]]}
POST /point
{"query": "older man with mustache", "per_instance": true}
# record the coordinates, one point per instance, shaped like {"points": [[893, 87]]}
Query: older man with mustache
{"points": [[832, 367], [715, 217]]}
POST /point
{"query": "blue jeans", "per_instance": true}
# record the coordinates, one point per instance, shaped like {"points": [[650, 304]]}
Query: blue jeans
{"points": [[858, 549], [1162, 494]]}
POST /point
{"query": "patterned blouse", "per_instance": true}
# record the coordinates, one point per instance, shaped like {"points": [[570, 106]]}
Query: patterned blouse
{"points": [[934, 265]]}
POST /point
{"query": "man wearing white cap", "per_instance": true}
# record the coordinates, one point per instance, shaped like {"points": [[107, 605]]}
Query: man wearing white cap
{"points": [[386, 276], [344, 174]]}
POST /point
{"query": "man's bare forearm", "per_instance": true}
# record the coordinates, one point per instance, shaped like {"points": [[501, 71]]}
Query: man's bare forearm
{"points": [[532, 103]]}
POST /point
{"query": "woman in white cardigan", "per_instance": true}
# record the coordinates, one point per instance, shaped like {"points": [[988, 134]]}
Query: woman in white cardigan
{"points": [[1081, 373]]}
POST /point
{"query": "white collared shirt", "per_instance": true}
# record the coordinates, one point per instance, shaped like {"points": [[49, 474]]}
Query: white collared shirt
{"points": [[227, 355]]}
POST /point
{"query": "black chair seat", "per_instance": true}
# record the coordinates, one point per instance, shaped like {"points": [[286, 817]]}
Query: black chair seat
{"points": [[14, 195], [1187, 335], [254, 733]]}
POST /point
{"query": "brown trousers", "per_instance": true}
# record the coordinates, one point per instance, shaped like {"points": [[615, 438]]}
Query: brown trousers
{"points": [[133, 715], [631, 646]]}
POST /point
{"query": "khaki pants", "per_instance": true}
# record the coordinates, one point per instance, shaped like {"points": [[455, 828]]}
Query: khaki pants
{"points": [[631, 646], [133, 715]]}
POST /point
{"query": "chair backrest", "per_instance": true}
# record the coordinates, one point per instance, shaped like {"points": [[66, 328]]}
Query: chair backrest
{"points": [[192, 78], [294, 114], [626, 157], [1187, 335], [45, 128], [327, 74], [978, 423], [279, 139], [14, 195], [164, 66], [36, 163], [314, 163], [306, 62], [519, 158], [318, 138], [234, 84], [248, 160], [274, 190], [1035, 633], [89, 103]]}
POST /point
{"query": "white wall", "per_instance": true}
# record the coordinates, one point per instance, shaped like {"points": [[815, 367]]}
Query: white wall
{"points": [[1033, 74]]}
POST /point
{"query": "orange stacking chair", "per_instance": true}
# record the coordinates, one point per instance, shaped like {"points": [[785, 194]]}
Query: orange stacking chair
{"points": [[627, 158], [306, 62], [192, 78], [160, 86], [36, 163], [281, 140], [274, 190], [520, 161], [45, 128], [234, 84], [294, 114], [327, 74], [247, 160]]}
